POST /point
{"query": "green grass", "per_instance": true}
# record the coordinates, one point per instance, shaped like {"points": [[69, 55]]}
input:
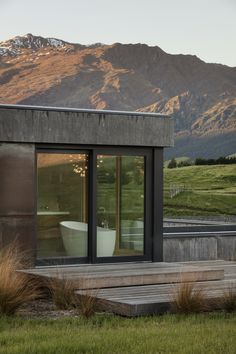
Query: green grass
{"points": [[207, 190], [203, 333]]}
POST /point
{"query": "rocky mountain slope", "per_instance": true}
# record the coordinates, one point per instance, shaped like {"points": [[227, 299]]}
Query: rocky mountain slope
{"points": [[201, 97]]}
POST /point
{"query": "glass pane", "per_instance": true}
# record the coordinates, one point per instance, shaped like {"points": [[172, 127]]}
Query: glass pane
{"points": [[62, 213], [120, 205]]}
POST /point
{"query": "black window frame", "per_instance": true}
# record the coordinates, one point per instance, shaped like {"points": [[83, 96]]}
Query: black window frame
{"points": [[152, 202]]}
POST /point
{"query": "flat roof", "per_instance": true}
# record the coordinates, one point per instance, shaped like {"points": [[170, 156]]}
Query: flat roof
{"points": [[59, 125]]}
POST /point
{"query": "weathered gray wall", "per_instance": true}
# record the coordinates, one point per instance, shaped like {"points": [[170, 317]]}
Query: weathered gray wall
{"points": [[17, 194], [197, 248], [226, 247], [76, 127]]}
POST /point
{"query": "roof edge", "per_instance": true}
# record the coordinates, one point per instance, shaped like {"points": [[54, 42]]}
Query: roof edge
{"points": [[82, 110]]}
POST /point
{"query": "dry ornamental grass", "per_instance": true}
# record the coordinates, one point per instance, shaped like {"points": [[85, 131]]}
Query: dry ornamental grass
{"points": [[186, 298], [228, 298], [87, 303], [63, 292], [16, 288]]}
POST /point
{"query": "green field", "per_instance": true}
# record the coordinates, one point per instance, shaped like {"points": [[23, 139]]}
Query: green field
{"points": [[108, 334], [200, 190]]}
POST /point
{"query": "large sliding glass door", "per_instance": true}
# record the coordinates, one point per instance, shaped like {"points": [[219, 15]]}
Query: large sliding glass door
{"points": [[93, 206]]}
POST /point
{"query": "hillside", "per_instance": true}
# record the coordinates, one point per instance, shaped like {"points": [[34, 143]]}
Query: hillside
{"points": [[204, 191], [201, 97]]}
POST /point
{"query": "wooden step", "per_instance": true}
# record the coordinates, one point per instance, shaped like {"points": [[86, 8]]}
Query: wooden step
{"points": [[131, 278], [129, 274], [148, 299], [142, 288]]}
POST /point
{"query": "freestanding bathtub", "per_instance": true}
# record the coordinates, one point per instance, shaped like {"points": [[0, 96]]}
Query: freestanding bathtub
{"points": [[75, 239]]}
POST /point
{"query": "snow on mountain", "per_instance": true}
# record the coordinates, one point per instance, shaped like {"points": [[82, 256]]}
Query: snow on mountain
{"points": [[55, 42], [16, 45]]}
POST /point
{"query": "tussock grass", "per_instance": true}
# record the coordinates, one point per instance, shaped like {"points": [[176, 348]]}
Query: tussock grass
{"points": [[87, 303], [62, 291], [227, 301], [64, 296], [16, 288], [187, 298]]}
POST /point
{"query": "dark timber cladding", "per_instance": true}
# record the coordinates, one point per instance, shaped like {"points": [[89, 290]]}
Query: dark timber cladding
{"points": [[24, 130], [68, 126]]}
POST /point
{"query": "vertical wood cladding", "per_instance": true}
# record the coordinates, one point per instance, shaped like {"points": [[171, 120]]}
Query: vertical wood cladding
{"points": [[17, 193]]}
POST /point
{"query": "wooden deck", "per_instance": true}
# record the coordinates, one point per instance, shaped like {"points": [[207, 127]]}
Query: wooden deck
{"points": [[157, 298], [128, 274], [134, 289]]}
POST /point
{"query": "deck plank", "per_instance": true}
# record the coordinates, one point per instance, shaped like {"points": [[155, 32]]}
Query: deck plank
{"points": [[134, 289], [151, 299], [102, 276]]}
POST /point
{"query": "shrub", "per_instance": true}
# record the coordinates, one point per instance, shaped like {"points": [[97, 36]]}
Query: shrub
{"points": [[220, 161], [186, 298], [184, 163], [16, 288], [172, 163]]}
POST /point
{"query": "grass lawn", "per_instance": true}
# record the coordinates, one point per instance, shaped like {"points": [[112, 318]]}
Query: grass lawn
{"points": [[206, 190], [203, 333]]}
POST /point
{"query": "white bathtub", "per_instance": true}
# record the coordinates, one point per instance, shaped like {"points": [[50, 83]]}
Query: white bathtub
{"points": [[75, 239]]}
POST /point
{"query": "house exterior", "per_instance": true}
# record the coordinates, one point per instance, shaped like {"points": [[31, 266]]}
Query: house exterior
{"points": [[82, 186]]}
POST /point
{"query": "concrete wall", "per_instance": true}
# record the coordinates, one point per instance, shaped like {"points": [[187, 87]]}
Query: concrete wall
{"points": [[198, 248]]}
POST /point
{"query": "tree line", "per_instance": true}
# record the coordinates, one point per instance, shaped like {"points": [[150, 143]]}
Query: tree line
{"points": [[201, 161]]}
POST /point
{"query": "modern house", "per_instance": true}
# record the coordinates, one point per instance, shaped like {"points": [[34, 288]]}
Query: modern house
{"points": [[82, 186]]}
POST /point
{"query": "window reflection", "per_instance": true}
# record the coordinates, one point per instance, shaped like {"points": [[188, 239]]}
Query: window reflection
{"points": [[120, 205], [62, 215]]}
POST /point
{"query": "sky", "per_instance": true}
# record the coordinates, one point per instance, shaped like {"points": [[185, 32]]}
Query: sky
{"points": [[206, 28]]}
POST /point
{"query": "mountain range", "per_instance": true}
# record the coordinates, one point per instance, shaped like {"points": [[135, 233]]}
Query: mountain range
{"points": [[201, 97]]}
